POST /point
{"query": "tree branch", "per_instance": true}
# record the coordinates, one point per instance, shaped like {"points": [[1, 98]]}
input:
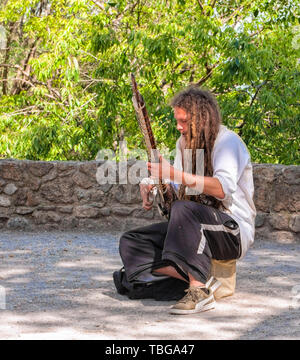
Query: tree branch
{"points": [[257, 91], [201, 6], [6, 56], [240, 127], [213, 4], [99, 4], [209, 72], [17, 86], [225, 18], [23, 72]]}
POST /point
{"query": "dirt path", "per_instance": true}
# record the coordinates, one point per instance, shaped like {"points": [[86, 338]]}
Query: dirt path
{"points": [[59, 286]]}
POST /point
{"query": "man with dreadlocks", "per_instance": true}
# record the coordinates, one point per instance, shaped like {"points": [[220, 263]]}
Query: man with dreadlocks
{"points": [[218, 223]]}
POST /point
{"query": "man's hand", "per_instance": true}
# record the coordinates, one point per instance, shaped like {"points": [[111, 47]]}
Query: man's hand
{"points": [[145, 190], [162, 170]]}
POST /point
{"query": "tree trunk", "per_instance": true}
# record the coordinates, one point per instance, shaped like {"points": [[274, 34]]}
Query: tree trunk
{"points": [[5, 71]]}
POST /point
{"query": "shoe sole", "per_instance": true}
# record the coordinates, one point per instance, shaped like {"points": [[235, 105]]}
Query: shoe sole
{"points": [[193, 311]]}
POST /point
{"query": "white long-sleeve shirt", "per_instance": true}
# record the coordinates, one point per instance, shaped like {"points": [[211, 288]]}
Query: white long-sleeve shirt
{"points": [[232, 167]]}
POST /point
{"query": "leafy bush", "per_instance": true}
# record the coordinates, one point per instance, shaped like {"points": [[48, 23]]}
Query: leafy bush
{"points": [[65, 67]]}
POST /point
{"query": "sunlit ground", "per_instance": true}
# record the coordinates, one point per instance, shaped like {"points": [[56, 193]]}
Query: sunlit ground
{"points": [[59, 286]]}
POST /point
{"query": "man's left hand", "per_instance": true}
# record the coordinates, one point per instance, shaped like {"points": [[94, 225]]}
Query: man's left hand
{"points": [[162, 170]]}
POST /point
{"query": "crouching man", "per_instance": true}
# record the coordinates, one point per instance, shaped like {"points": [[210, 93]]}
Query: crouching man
{"points": [[216, 222]]}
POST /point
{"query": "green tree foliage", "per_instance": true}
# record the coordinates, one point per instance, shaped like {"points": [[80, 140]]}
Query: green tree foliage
{"points": [[64, 72]]}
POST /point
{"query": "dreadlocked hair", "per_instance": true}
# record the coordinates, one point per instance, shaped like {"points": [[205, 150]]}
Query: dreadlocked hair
{"points": [[204, 121]]}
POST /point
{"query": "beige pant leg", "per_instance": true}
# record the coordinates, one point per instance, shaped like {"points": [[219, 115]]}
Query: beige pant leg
{"points": [[225, 272]]}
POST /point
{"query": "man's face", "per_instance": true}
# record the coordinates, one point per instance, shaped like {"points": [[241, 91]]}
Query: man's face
{"points": [[181, 117]]}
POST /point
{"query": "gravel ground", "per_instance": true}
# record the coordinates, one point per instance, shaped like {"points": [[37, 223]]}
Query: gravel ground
{"points": [[58, 285]]}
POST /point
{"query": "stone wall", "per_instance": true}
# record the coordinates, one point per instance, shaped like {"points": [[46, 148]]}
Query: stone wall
{"points": [[277, 201], [65, 195]]}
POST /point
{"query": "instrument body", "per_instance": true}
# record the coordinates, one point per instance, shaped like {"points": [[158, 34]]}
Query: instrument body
{"points": [[165, 192]]}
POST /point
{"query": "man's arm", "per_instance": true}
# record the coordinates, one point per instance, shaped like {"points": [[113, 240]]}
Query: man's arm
{"points": [[204, 184]]}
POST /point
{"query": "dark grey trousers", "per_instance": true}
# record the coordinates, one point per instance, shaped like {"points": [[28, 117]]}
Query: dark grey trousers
{"points": [[194, 234]]}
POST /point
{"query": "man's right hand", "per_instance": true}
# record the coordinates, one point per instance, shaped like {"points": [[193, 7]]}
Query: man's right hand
{"points": [[145, 190]]}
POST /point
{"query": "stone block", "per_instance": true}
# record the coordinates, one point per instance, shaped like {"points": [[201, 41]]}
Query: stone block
{"points": [[66, 168], [58, 192], [51, 175], [65, 209], [83, 194], [262, 198], [69, 222], [291, 175], [122, 210], [45, 217], [10, 189], [294, 224], [5, 201], [261, 233], [98, 195], [46, 207], [280, 197], [32, 182], [105, 188], [49, 227], [11, 170], [5, 212], [25, 210], [128, 194], [18, 223], [63, 166], [21, 196], [98, 204], [263, 173], [279, 221], [2, 183], [105, 211], [39, 168], [32, 199], [144, 214], [85, 211], [260, 219], [95, 224], [294, 198], [82, 180], [89, 168], [282, 237]]}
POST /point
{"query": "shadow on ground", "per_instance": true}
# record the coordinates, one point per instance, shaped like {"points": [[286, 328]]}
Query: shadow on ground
{"points": [[59, 285]]}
